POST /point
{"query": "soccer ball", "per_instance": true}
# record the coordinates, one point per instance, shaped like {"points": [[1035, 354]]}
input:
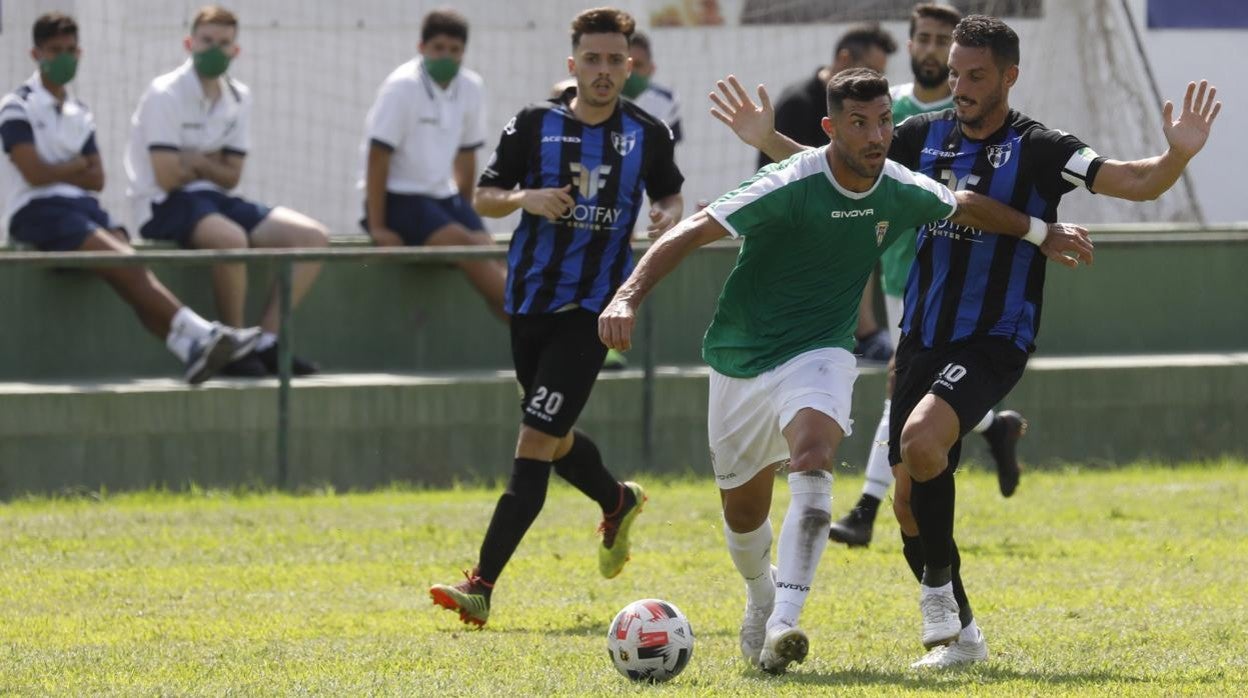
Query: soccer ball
{"points": [[650, 640]]}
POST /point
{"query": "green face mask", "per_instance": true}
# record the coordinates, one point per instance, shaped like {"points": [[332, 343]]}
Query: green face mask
{"points": [[635, 85], [60, 69], [442, 70], [211, 62]]}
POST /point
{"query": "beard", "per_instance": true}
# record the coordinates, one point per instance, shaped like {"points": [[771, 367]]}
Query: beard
{"points": [[590, 96], [858, 164], [926, 76], [984, 107]]}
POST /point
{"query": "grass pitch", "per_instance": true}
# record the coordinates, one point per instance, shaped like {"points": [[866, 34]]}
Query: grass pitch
{"points": [[1125, 582]]}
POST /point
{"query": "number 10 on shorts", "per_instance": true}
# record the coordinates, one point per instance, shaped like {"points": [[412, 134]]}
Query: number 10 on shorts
{"points": [[952, 373]]}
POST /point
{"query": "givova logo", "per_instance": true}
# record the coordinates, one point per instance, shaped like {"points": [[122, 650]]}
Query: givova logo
{"points": [[854, 213]]}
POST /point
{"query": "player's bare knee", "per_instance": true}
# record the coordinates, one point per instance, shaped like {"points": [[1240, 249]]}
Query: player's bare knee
{"points": [[743, 514], [813, 457], [923, 454], [313, 235]]}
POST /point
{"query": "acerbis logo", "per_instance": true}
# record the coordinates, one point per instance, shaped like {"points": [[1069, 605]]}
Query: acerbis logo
{"points": [[854, 213]]}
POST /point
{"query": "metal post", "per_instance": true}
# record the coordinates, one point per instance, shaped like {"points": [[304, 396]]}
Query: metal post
{"points": [[647, 391], [285, 341]]}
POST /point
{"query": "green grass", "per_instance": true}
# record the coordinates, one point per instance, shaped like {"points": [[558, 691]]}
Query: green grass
{"points": [[1125, 582]]}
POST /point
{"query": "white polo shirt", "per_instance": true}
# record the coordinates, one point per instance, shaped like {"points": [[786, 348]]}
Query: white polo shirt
{"points": [[661, 102], [60, 132], [174, 114], [425, 126]]}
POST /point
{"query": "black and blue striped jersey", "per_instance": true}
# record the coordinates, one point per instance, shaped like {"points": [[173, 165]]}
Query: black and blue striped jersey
{"points": [[581, 259], [965, 283]]}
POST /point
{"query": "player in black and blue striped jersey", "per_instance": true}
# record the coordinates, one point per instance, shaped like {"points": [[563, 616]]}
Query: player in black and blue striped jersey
{"points": [[582, 163]]}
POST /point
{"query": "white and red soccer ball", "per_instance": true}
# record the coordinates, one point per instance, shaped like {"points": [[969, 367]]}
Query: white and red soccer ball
{"points": [[650, 640]]}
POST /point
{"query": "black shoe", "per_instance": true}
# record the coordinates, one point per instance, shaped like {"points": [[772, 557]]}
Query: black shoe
{"points": [[1007, 428], [249, 366], [875, 347], [854, 530], [298, 366]]}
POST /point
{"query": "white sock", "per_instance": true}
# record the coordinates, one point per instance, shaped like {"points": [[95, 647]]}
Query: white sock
{"points": [[879, 470], [267, 339], [751, 553], [803, 536], [186, 327], [188, 322], [970, 633], [985, 422]]}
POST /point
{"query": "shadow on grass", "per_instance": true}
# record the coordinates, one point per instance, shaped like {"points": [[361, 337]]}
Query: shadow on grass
{"points": [[953, 678]]}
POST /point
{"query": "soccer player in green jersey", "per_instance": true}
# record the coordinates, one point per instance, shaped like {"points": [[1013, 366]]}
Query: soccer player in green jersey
{"points": [[782, 374], [931, 34]]}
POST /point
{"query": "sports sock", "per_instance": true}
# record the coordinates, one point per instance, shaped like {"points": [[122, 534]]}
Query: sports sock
{"points": [[267, 339], [933, 504], [959, 591], [185, 329], [985, 423], [583, 469], [879, 470], [912, 550], [516, 510], [970, 632], [803, 537], [751, 553]]}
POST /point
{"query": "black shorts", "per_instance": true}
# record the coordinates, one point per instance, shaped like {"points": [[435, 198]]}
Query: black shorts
{"points": [[415, 217], [972, 376], [557, 358]]}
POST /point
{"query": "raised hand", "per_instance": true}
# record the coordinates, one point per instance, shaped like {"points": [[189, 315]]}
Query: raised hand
{"points": [[1067, 245], [753, 123], [660, 222], [1188, 134]]}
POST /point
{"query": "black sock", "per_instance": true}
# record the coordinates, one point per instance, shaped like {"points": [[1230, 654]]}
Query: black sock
{"points": [[912, 549], [933, 503], [959, 592], [868, 505], [583, 469], [516, 510]]}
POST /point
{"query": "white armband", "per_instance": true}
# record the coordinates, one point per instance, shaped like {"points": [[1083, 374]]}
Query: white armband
{"points": [[1038, 231]]}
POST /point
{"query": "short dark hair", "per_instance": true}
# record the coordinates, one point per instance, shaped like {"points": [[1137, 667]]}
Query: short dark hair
{"points": [[52, 25], [444, 22], [641, 41], [858, 84], [861, 37], [214, 14], [979, 31], [945, 14], [602, 20]]}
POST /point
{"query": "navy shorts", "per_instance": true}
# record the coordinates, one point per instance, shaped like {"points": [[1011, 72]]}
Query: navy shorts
{"points": [[175, 218], [415, 217], [59, 223], [973, 376]]}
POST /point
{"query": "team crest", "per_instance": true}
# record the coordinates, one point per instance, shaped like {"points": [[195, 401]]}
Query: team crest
{"points": [[623, 142], [881, 229], [998, 155]]}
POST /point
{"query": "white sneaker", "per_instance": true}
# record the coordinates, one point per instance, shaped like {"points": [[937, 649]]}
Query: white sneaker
{"points": [[941, 625], [754, 626], [207, 357], [958, 653], [783, 646], [245, 338]]}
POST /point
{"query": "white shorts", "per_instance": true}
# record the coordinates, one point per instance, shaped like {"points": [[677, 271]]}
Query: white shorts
{"points": [[894, 307], [747, 416]]}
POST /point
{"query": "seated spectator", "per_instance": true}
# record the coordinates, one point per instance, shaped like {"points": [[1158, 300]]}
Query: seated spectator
{"points": [[189, 138], [53, 168]]}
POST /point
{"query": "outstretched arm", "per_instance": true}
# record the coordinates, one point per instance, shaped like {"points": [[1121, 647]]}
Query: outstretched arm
{"points": [[615, 324], [1145, 180], [753, 124], [1063, 243]]}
